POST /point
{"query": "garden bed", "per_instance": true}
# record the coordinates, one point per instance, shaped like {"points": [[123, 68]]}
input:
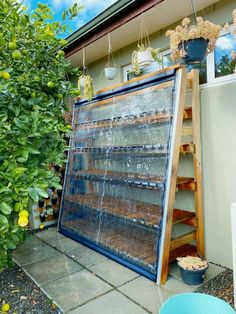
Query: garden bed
{"points": [[220, 286], [23, 295]]}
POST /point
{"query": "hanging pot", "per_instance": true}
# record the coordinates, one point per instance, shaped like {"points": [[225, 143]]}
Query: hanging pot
{"points": [[110, 72], [144, 58], [81, 82], [195, 50]]}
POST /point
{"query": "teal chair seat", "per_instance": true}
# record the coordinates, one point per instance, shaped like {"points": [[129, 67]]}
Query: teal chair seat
{"points": [[195, 303]]}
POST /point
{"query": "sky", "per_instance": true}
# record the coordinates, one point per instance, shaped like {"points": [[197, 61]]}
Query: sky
{"points": [[91, 9]]}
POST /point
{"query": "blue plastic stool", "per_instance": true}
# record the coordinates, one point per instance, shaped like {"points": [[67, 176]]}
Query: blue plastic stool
{"points": [[195, 303]]}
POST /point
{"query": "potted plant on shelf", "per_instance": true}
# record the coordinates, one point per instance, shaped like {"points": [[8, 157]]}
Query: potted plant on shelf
{"points": [[110, 70], [192, 269], [193, 41]]}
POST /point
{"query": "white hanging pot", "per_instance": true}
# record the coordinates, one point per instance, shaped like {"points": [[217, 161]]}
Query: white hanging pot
{"points": [[110, 72], [144, 58], [81, 81]]}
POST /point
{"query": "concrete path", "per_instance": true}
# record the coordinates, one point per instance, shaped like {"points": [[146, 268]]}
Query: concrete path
{"points": [[81, 281]]}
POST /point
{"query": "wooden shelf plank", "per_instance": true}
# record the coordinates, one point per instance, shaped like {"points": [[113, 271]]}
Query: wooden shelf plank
{"points": [[144, 118], [187, 113], [180, 241], [185, 183], [130, 243], [183, 216], [182, 251], [145, 214], [147, 149], [145, 181], [187, 148]]}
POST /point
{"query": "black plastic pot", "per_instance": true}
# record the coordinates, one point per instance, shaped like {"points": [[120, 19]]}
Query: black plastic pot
{"points": [[195, 50], [55, 215], [54, 201], [193, 277], [40, 203], [42, 218], [59, 193]]}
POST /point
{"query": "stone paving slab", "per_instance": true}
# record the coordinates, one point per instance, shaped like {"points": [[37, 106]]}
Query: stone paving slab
{"points": [[174, 286], [146, 293], [113, 272], [51, 268], [35, 253], [67, 245], [87, 257], [76, 289], [111, 303], [49, 235]]}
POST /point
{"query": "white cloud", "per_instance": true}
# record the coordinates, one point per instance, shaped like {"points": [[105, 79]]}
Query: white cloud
{"points": [[225, 43], [88, 4]]}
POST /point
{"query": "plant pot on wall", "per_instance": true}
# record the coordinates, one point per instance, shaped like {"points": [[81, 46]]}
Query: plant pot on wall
{"points": [[195, 50]]}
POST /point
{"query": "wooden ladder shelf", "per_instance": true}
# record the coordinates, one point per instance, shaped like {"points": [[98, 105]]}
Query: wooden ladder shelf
{"points": [[183, 245]]}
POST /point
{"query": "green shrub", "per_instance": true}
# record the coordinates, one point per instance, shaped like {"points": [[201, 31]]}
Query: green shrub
{"points": [[33, 88]]}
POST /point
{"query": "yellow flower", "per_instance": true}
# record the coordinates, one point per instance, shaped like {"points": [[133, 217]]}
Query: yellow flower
{"points": [[23, 221], [24, 213], [5, 307], [41, 226]]}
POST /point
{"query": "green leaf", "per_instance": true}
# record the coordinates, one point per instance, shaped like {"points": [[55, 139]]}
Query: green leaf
{"points": [[41, 192], [33, 151], [4, 189], [5, 208], [21, 159], [57, 186], [3, 220], [34, 194], [11, 245]]}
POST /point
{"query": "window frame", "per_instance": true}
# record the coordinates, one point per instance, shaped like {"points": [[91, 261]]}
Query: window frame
{"points": [[211, 79]]}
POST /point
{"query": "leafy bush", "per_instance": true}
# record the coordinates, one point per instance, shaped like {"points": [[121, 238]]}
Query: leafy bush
{"points": [[33, 88]]}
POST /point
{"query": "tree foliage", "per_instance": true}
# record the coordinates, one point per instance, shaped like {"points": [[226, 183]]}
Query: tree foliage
{"points": [[33, 87]]}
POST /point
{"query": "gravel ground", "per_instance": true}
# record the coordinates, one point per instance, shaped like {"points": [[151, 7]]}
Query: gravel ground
{"points": [[221, 286], [23, 295]]}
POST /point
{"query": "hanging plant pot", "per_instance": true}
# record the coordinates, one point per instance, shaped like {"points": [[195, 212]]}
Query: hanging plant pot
{"points": [[144, 57], [81, 82], [195, 50], [110, 72]]}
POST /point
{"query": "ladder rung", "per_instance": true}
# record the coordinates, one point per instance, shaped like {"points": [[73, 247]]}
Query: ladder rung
{"points": [[185, 239], [181, 251], [184, 216], [188, 130], [189, 82]]}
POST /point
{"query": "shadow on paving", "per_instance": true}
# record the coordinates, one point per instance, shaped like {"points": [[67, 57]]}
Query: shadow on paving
{"points": [[23, 295]]}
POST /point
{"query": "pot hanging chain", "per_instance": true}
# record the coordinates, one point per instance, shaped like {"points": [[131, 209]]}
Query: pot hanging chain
{"points": [[110, 54], [143, 34], [194, 10], [85, 68]]}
